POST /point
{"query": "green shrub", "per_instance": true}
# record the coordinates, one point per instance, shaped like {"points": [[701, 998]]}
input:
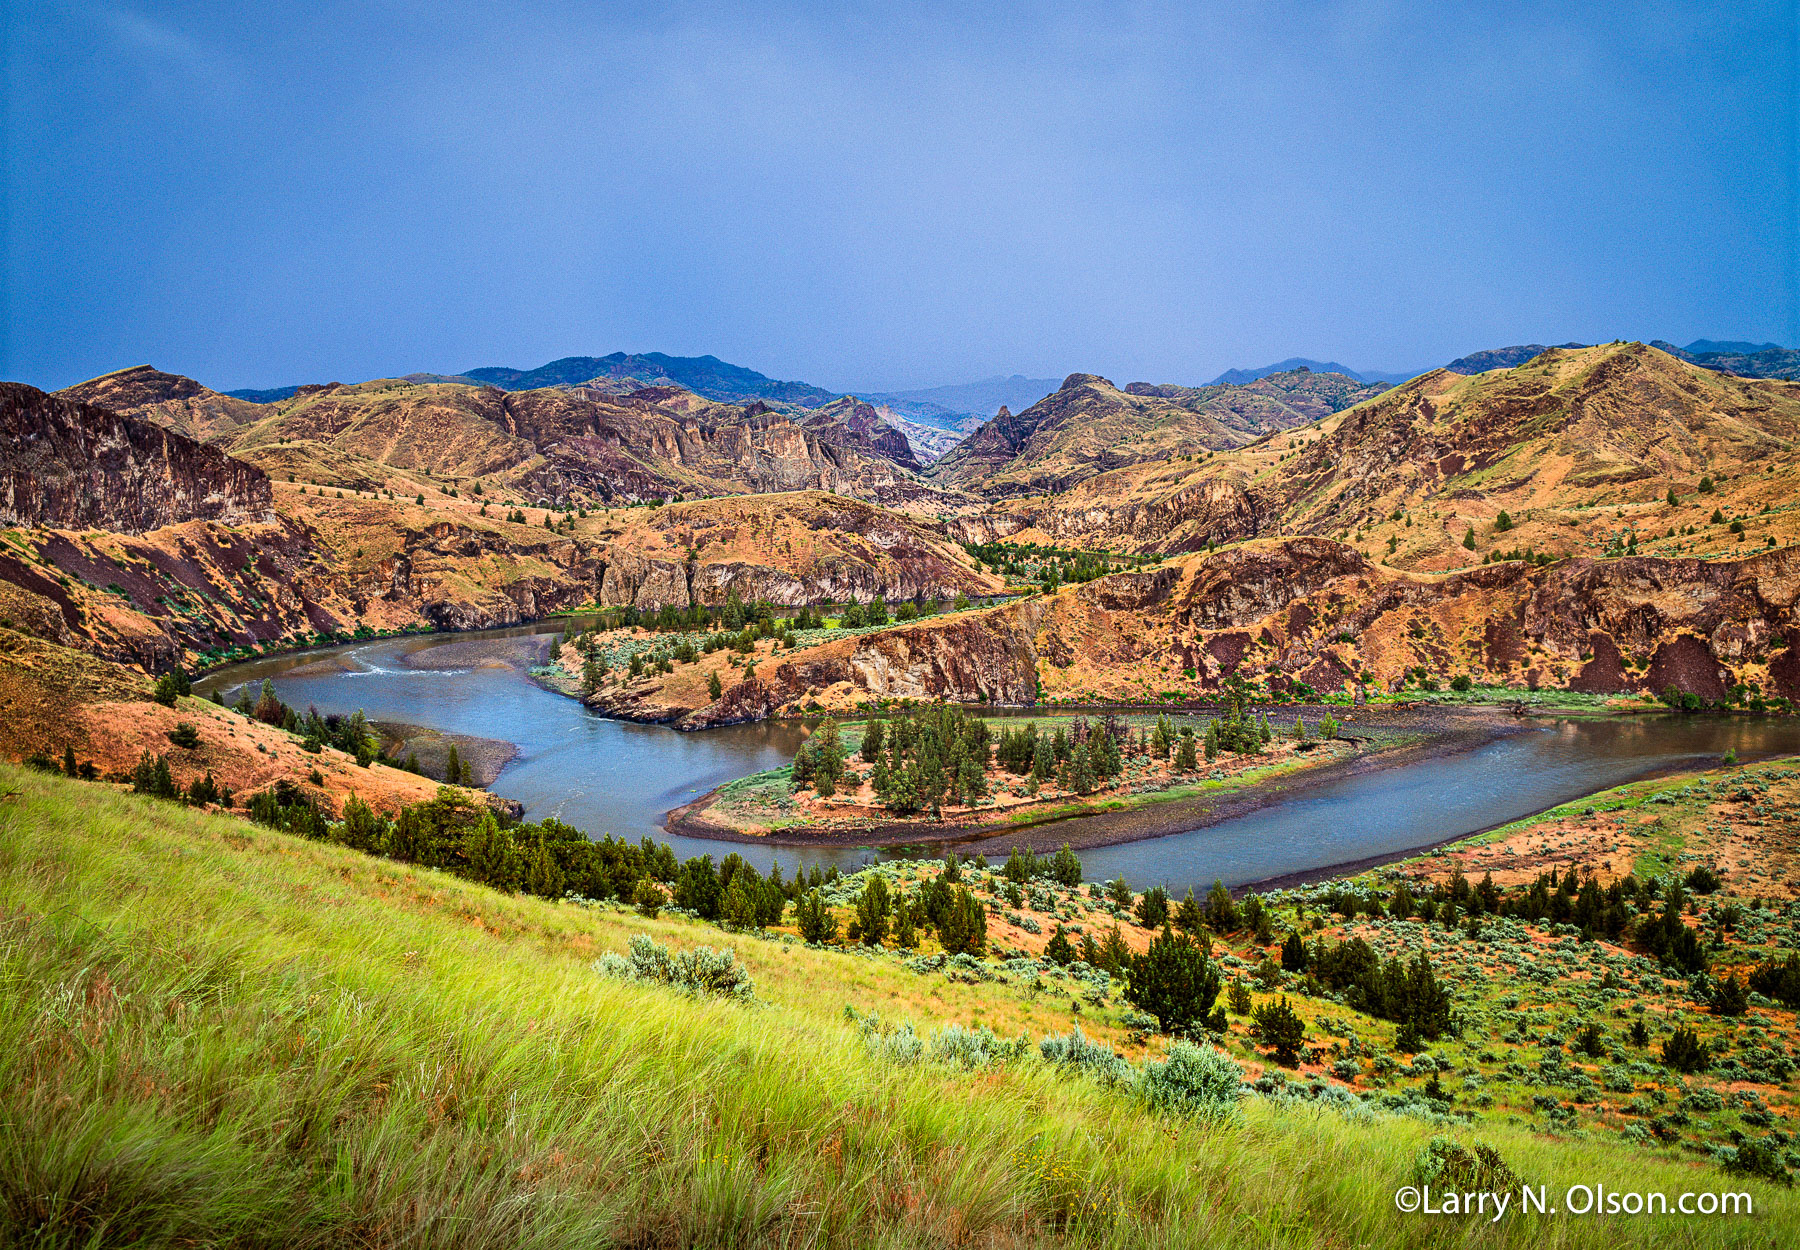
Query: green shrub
{"points": [[1447, 1164], [1685, 1052], [703, 971], [1194, 1083], [1076, 1054]]}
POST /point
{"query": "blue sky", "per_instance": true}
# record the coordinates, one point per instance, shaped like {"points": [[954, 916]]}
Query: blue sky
{"points": [[883, 196]]}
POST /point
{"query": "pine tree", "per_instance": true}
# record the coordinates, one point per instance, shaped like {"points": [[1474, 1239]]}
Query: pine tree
{"points": [[713, 686], [874, 738], [1115, 955], [647, 897], [1212, 742], [453, 773], [543, 876], [1469, 539], [1299, 730], [740, 910], [1221, 912], [1153, 908], [489, 850], [963, 929], [905, 921], [1059, 951], [1081, 773]]}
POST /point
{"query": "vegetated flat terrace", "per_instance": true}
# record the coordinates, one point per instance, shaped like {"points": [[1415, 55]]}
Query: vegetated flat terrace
{"points": [[898, 776]]}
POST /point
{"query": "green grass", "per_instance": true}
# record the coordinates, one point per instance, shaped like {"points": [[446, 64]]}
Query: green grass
{"points": [[212, 1034]]}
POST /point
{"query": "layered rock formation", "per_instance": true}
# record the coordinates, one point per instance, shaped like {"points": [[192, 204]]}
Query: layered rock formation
{"points": [[971, 657], [1315, 611], [69, 464]]}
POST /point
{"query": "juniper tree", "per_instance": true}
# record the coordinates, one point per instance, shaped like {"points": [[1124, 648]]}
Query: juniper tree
{"points": [[1221, 911], [1153, 908], [1188, 916], [964, 927], [1281, 1029], [1174, 980], [543, 876], [1185, 761], [816, 923], [872, 910], [489, 851]]}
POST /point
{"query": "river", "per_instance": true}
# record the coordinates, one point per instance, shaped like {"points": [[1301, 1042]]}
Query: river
{"points": [[609, 776]]}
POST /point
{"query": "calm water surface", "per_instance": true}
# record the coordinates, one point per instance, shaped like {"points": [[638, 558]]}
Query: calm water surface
{"points": [[608, 776]]}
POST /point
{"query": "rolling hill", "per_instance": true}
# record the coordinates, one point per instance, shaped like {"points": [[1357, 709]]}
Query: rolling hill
{"points": [[1580, 447], [1089, 426]]}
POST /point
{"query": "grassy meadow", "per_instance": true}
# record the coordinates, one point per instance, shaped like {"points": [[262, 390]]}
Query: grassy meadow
{"points": [[212, 1034]]}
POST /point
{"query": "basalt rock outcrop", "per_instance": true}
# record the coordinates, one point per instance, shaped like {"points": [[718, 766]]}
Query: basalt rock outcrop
{"points": [[975, 657], [72, 465], [1313, 611]]}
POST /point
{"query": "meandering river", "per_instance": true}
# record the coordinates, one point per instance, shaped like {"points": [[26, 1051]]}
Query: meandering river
{"points": [[608, 776]]}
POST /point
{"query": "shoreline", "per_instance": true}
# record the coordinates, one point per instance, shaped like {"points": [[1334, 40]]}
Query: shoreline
{"points": [[1101, 827], [1356, 867]]}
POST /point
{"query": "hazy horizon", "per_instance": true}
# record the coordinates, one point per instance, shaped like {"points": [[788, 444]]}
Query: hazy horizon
{"points": [[877, 199]]}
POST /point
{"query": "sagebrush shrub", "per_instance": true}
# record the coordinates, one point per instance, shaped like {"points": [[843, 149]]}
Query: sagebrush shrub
{"points": [[1194, 1082], [1448, 1164], [1077, 1054], [702, 971]]}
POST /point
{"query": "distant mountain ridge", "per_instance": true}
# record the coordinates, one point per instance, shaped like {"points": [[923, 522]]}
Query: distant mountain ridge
{"points": [[1746, 360], [947, 407], [1504, 357], [1240, 377], [704, 375]]}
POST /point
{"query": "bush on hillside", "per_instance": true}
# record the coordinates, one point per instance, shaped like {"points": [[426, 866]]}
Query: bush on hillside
{"points": [[1194, 1082], [703, 971]]}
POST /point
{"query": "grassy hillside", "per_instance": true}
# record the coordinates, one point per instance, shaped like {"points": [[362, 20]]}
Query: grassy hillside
{"points": [[211, 1034]]}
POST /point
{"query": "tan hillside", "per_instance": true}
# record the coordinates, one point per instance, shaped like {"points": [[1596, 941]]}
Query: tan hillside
{"points": [[548, 446], [1279, 614], [1086, 427], [790, 549], [1090, 426], [55, 699], [65, 462], [1279, 611], [1580, 447], [1274, 402], [169, 399], [851, 423]]}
